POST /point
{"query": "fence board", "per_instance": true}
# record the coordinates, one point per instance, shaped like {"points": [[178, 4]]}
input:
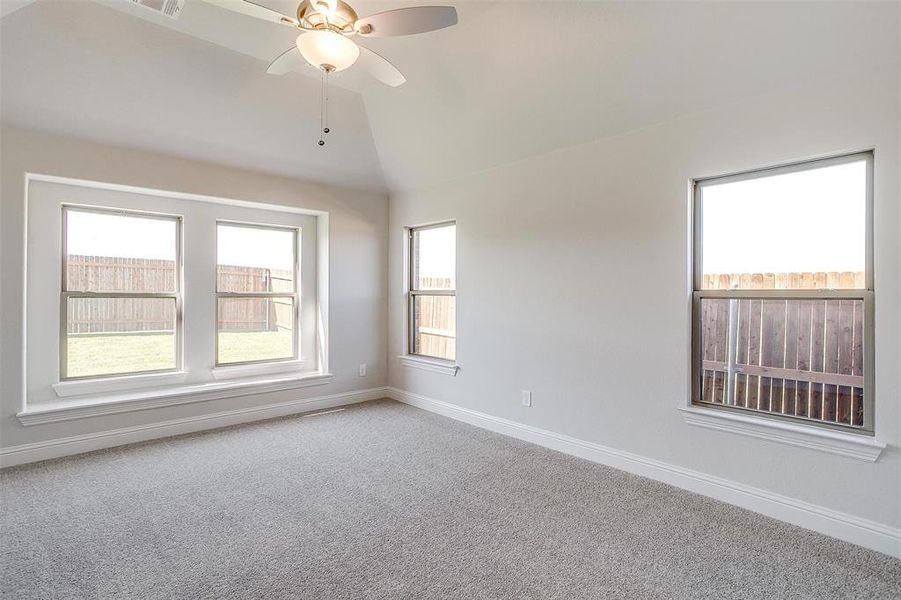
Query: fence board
{"points": [[754, 383], [722, 316], [831, 359], [805, 351], [843, 393], [708, 338], [741, 381], [857, 364], [789, 387], [817, 356], [773, 350]]}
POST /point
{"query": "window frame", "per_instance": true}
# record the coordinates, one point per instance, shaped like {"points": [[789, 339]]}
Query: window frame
{"points": [[295, 295], [866, 294], [66, 294], [413, 292]]}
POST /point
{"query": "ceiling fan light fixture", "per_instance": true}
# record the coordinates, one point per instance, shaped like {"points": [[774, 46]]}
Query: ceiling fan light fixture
{"points": [[328, 50]]}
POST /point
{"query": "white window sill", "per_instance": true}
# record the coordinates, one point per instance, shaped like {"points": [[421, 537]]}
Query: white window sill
{"points": [[94, 406], [428, 364], [82, 387], [250, 370], [861, 447]]}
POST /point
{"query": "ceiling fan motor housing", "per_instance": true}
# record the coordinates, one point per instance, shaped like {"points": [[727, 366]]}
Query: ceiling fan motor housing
{"points": [[340, 21]]}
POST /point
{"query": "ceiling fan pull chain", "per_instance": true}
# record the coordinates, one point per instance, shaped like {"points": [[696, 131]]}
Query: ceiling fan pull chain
{"points": [[321, 104], [326, 129]]}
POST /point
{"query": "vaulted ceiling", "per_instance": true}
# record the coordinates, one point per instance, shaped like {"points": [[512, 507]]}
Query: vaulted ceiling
{"points": [[511, 80], [130, 77]]}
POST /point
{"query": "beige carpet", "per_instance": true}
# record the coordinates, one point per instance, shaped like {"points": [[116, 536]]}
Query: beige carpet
{"points": [[382, 500]]}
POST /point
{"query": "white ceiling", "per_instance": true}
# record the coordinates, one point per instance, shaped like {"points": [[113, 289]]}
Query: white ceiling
{"points": [[511, 80], [82, 69]]}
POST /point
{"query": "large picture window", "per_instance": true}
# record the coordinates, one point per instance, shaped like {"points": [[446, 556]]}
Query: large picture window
{"points": [[783, 293], [120, 305], [257, 299], [433, 289]]}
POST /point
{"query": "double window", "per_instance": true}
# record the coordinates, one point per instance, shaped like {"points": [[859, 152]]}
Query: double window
{"points": [[432, 291], [783, 293], [121, 297]]}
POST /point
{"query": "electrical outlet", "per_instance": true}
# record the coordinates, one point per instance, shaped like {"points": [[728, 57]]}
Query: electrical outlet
{"points": [[526, 398], [363, 370]]}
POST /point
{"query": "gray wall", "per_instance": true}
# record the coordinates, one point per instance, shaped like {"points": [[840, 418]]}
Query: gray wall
{"points": [[573, 275], [357, 252]]}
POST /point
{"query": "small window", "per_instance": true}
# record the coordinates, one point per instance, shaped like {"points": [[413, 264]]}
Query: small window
{"points": [[120, 302], [783, 293], [257, 298], [432, 293]]}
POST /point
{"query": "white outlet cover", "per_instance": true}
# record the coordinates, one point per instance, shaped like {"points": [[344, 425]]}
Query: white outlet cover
{"points": [[526, 398]]}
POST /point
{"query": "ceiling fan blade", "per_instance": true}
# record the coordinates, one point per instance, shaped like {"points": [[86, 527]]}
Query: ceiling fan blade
{"points": [[377, 66], [407, 21], [252, 9], [289, 60]]}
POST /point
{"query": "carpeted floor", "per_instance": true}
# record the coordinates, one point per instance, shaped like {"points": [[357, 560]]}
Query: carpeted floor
{"points": [[382, 500]]}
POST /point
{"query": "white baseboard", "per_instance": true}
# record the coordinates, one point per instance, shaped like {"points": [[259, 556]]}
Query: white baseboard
{"points": [[870, 534], [27, 453]]}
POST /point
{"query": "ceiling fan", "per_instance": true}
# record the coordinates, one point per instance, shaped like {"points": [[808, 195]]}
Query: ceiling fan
{"points": [[326, 28], [324, 42]]}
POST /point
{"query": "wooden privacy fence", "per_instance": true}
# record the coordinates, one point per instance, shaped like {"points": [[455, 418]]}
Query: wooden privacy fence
{"points": [[436, 319], [254, 314], [129, 315], [794, 357], [120, 315], [116, 274], [786, 281]]}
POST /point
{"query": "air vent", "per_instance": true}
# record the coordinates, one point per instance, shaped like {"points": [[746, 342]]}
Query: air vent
{"points": [[170, 8]]}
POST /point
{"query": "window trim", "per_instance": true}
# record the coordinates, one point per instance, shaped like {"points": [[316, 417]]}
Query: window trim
{"points": [[413, 292], [42, 191], [103, 385], [866, 295], [785, 431], [66, 294], [434, 365], [243, 366], [128, 400]]}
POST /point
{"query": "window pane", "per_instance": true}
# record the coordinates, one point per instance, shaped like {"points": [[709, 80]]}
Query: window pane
{"points": [[108, 336], [435, 258], [255, 259], [795, 357], [435, 326], [254, 329], [801, 230], [116, 252]]}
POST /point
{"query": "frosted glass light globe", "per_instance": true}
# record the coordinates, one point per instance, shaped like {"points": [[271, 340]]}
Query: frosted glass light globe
{"points": [[328, 50]]}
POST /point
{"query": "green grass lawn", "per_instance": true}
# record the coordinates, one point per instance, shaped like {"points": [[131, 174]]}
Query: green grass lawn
{"points": [[235, 346], [126, 353]]}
